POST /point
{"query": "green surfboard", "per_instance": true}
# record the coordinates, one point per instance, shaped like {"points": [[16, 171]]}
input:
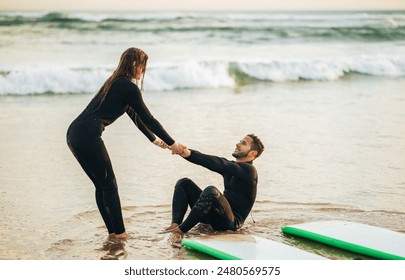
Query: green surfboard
{"points": [[246, 247], [376, 242]]}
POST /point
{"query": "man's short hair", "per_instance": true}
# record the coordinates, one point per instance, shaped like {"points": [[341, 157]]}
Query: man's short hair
{"points": [[257, 144]]}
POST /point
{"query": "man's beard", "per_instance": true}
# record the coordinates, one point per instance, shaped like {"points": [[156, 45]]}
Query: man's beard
{"points": [[238, 154]]}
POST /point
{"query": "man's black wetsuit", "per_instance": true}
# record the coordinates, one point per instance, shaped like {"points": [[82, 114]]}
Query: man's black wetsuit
{"points": [[222, 212], [84, 140]]}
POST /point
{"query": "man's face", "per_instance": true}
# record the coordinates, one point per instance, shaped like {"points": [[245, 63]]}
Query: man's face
{"points": [[243, 147]]}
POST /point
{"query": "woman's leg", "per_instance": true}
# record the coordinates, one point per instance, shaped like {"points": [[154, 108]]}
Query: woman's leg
{"points": [[94, 159]]}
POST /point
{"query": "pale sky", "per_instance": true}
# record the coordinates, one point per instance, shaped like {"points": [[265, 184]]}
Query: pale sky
{"points": [[194, 5]]}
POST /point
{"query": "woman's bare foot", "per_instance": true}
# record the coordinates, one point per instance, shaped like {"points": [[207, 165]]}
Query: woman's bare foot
{"points": [[122, 235]]}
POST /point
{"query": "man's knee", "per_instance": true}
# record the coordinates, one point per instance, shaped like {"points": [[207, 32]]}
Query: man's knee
{"points": [[211, 191], [182, 183]]}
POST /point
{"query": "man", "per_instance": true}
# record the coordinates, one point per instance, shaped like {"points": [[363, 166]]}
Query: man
{"points": [[226, 211]]}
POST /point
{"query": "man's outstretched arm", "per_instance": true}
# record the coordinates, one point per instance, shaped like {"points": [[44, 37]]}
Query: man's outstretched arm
{"points": [[214, 163]]}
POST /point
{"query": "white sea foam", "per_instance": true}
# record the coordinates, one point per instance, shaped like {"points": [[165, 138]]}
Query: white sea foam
{"points": [[48, 78], [189, 75], [324, 69]]}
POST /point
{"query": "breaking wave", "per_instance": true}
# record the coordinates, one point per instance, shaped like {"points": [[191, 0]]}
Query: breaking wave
{"points": [[61, 79]]}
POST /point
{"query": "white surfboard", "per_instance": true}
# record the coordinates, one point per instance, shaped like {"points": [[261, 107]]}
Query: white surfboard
{"points": [[246, 247], [377, 242]]}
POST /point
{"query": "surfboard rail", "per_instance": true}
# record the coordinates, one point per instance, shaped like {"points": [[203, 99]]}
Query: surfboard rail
{"points": [[208, 250]]}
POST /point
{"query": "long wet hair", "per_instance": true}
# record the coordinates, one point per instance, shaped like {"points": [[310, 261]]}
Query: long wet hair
{"points": [[131, 61]]}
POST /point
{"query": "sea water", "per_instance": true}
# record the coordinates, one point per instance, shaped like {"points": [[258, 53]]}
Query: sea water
{"points": [[63, 53], [323, 90]]}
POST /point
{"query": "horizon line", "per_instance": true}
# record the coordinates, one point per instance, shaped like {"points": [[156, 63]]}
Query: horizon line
{"points": [[213, 10]]}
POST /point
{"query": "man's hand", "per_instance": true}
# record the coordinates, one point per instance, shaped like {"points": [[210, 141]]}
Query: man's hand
{"points": [[186, 153], [177, 148]]}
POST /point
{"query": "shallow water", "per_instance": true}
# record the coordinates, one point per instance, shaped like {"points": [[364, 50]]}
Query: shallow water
{"points": [[334, 150]]}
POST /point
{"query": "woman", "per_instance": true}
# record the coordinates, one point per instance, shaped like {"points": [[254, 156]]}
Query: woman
{"points": [[117, 96]]}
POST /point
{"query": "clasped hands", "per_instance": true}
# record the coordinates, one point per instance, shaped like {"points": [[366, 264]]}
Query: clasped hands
{"points": [[176, 148]]}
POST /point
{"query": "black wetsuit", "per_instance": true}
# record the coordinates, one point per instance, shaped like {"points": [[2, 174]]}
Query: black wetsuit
{"points": [[84, 140], [226, 211]]}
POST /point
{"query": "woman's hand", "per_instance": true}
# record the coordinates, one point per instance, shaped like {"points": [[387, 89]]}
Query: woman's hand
{"points": [[160, 143]]}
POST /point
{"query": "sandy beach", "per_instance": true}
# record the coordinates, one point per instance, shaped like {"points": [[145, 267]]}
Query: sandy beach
{"points": [[333, 151]]}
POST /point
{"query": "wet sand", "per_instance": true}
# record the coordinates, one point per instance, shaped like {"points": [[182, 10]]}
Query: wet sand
{"points": [[334, 150]]}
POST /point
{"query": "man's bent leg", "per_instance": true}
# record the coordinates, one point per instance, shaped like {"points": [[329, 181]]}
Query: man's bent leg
{"points": [[209, 197], [186, 193]]}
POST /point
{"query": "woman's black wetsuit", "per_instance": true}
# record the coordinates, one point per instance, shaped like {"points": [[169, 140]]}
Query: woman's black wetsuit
{"points": [[84, 140], [226, 211]]}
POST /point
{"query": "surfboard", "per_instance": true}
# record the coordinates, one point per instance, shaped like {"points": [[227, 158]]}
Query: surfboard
{"points": [[376, 242], [246, 247]]}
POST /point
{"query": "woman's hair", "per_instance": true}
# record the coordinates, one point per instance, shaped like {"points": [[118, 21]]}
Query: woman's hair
{"points": [[131, 61]]}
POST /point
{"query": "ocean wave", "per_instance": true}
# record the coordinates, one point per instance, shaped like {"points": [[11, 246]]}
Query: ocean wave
{"points": [[51, 79], [361, 26], [320, 69], [288, 17]]}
